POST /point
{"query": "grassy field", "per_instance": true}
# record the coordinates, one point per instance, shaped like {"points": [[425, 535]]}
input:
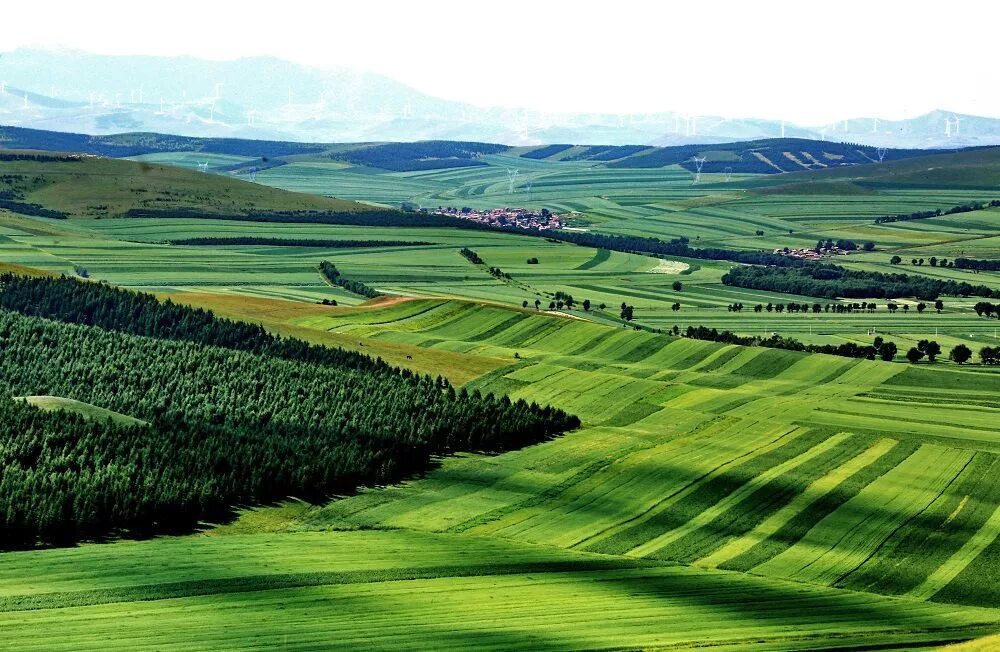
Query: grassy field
{"points": [[406, 590], [127, 252], [716, 495]]}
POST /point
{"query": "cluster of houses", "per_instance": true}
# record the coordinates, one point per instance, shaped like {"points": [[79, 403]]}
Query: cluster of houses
{"points": [[811, 254], [523, 218]]}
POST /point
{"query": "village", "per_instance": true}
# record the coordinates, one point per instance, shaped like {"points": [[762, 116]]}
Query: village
{"points": [[816, 253], [523, 218]]}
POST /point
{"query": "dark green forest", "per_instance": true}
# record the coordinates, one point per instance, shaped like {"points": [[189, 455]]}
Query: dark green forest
{"points": [[98, 304], [226, 426], [822, 280]]}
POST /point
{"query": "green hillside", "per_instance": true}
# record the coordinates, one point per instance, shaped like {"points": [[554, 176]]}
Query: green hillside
{"points": [[87, 186]]}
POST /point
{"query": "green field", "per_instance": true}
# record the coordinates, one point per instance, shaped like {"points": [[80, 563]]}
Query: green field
{"points": [[716, 495]]}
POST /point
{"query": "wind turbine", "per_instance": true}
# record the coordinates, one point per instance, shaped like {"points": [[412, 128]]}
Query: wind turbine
{"points": [[251, 118], [782, 128], [3, 87], [947, 127], [958, 128], [203, 167]]}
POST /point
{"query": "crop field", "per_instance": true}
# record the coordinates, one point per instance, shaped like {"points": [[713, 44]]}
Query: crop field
{"points": [[709, 482], [132, 253], [715, 496], [408, 590]]}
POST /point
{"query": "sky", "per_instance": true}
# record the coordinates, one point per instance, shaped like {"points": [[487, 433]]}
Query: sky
{"points": [[810, 62]]}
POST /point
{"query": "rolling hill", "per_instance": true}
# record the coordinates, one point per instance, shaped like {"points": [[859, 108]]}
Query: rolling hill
{"points": [[72, 185], [767, 156]]}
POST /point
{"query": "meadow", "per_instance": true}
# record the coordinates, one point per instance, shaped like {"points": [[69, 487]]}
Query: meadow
{"points": [[716, 495]]}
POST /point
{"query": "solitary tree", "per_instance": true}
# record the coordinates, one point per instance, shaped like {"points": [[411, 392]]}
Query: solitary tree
{"points": [[887, 351], [538, 302], [524, 304], [586, 305], [960, 354], [914, 355], [895, 260], [939, 305], [678, 286], [602, 306], [675, 307]]}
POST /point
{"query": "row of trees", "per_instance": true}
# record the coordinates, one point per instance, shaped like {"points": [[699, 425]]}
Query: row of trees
{"points": [[978, 265], [848, 349], [838, 308], [821, 280], [225, 426], [332, 274], [562, 300], [922, 215], [471, 256], [917, 262]]}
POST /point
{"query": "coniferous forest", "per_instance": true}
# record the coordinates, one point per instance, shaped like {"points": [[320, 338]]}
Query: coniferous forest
{"points": [[252, 420]]}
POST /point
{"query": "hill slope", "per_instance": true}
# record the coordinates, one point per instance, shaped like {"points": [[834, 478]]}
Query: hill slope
{"points": [[63, 185]]}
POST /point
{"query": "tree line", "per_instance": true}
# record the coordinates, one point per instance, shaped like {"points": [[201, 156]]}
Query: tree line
{"points": [[847, 349], [830, 281], [332, 274], [295, 242], [923, 215], [977, 265], [471, 256], [112, 308], [837, 308], [225, 426]]}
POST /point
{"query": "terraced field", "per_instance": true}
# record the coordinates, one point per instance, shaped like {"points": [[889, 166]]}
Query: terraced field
{"points": [[716, 495], [696, 460], [131, 253], [803, 467]]}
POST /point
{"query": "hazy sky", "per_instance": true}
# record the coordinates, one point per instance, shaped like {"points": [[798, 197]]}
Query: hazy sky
{"points": [[805, 61]]}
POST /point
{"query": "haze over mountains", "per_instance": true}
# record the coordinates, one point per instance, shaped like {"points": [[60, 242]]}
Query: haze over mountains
{"points": [[96, 94]]}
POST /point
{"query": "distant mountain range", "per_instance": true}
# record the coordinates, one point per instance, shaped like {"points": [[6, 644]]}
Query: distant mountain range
{"points": [[267, 98]]}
